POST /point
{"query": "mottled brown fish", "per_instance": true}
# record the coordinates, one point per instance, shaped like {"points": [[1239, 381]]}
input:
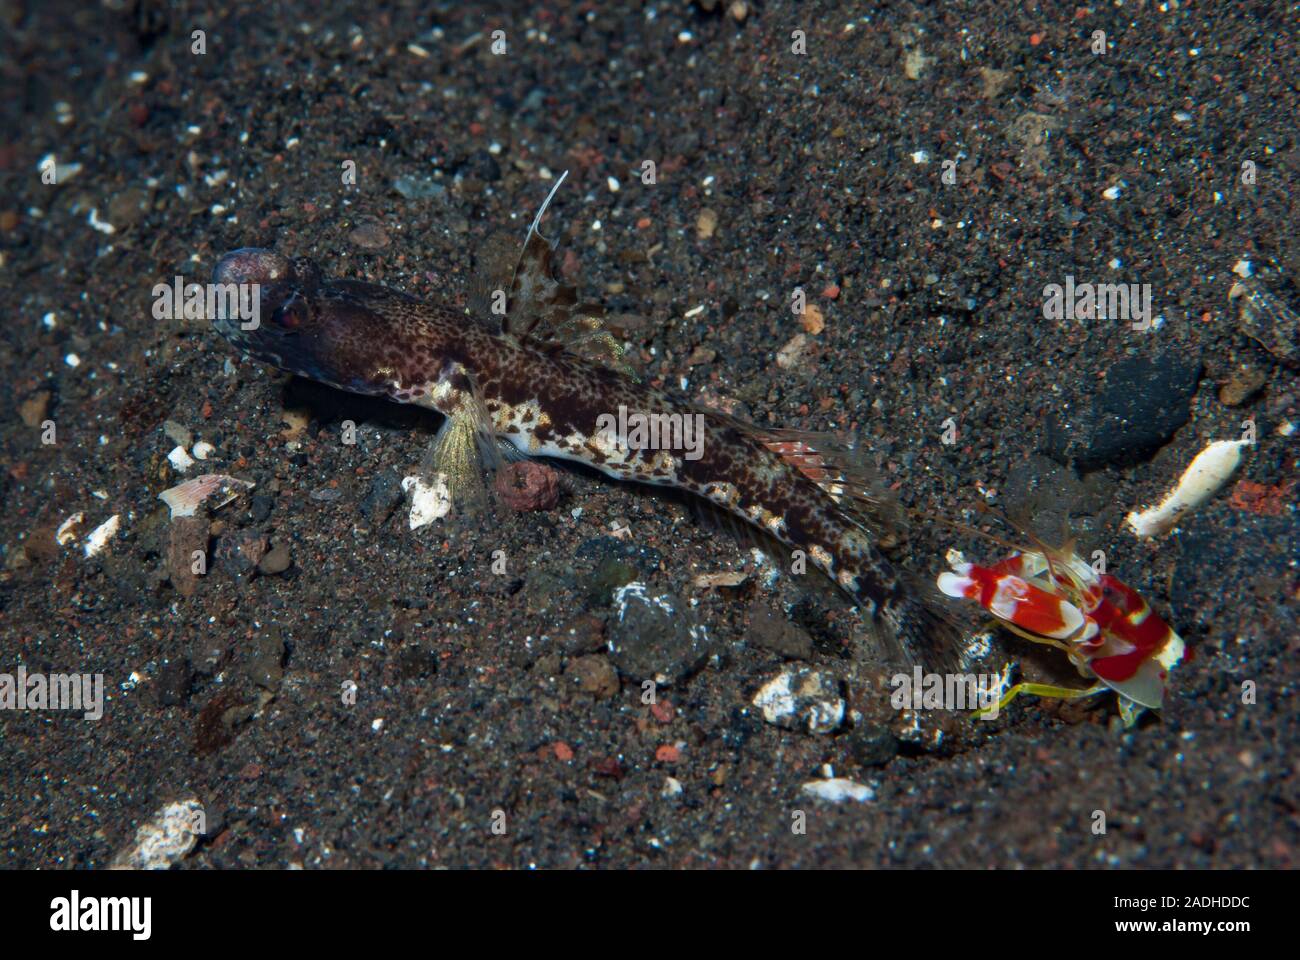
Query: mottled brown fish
{"points": [[537, 369]]}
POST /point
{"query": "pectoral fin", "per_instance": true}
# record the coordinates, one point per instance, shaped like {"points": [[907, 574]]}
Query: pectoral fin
{"points": [[465, 443]]}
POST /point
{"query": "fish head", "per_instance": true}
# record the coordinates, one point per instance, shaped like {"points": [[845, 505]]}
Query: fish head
{"points": [[344, 333]]}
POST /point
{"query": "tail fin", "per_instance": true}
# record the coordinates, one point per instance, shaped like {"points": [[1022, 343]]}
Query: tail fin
{"points": [[919, 629]]}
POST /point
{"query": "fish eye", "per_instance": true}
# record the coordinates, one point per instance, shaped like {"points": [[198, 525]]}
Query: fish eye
{"points": [[292, 314]]}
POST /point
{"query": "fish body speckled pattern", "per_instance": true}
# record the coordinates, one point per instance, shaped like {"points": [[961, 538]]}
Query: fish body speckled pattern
{"points": [[547, 401]]}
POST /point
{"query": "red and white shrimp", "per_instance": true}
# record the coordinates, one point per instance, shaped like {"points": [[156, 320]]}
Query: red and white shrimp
{"points": [[1107, 630]]}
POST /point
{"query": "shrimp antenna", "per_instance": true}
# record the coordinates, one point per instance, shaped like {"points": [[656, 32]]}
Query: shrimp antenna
{"points": [[967, 528]]}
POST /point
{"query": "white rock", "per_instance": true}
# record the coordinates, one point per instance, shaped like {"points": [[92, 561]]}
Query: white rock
{"points": [[164, 840], [791, 355], [802, 699]]}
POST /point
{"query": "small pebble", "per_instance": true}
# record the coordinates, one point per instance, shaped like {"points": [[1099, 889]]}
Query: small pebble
{"points": [[1241, 386], [277, 560], [369, 236], [706, 224]]}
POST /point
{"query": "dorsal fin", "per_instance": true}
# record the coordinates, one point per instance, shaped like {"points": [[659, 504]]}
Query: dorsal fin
{"points": [[535, 293], [494, 264], [532, 303]]}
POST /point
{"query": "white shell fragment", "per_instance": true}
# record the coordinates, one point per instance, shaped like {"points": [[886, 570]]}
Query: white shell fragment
{"points": [[838, 789], [202, 450], [1204, 477], [180, 459], [429, 501], [165, 839], [185, 498], [708, 581], [99, 537], [67, 531]]}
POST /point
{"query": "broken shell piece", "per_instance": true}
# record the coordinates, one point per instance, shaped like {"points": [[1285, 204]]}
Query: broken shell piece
{"points": [[791, 355], [202, 450], [180, 459], [430, 500], [1267, 319], [838, 789], [183, 500], [1203, 478], [99, 537], [67, 531], [707, 581]]}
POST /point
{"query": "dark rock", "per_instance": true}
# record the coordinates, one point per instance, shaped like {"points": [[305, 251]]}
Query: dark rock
{"points": [[264, 659], [609, 576], [503, 586], [173, 684], [582, 634], [239, 552], [872, 744], [1266, 316], [370, 235], [548, 595], [277, 560], [655, 636], [769, 631], [382, 498], [417, 661], [482, 166], [616, 562], [261, 507], [1139, 405], [206, 653], [188, 536]]}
